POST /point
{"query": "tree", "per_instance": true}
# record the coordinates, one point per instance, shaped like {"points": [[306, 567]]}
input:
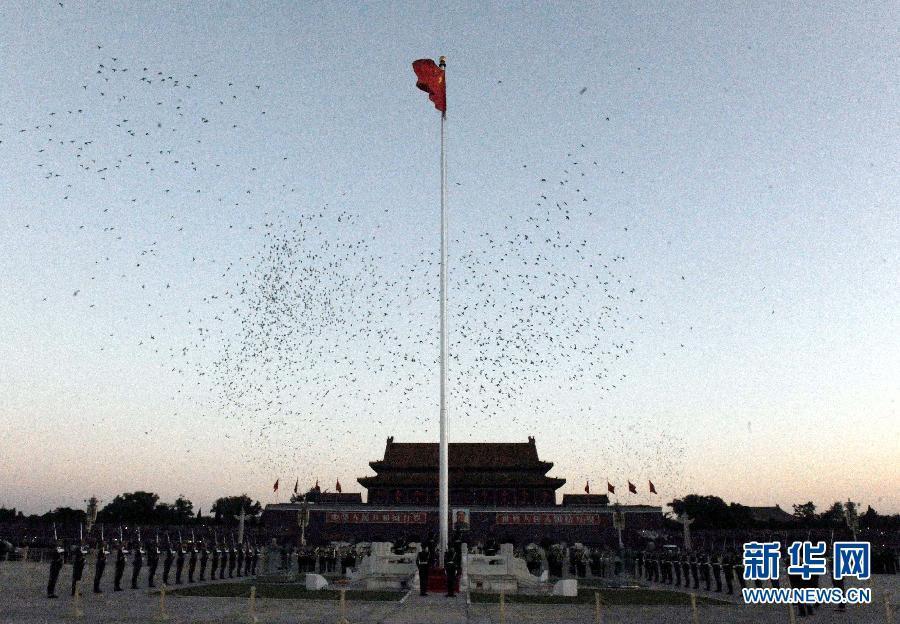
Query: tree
{"points": [[228, 508], [65, 515], [182, 511], [137, 507], [806, 512], [711, 512], [7, 515], [834, 517]]}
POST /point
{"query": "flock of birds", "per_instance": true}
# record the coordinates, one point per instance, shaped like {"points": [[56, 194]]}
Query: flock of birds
{"points": [[317, 335]]}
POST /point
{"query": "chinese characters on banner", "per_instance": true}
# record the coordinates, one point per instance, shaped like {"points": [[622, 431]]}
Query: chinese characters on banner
{"points": [[375, 517], [555, 519]]}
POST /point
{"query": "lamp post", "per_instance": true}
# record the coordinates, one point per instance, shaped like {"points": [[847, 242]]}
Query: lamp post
{"points": [[303, 520]]}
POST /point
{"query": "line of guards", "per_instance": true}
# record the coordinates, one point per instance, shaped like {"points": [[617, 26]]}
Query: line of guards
{"points": [[670, 568], [223, 561]]}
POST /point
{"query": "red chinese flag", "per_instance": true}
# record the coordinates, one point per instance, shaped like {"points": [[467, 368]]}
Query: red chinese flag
{"points": [[430, 79], [652, 488], [587, 487], [337, 485], [275, 487], [610, 488], [632, 488]]}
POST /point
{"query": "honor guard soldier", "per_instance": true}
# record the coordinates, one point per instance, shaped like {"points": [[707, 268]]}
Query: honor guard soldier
{"points": [[204, 558], [704, 570], [423, 563], [137, 562], [639, 562], [676, 568], [232, 560], [739, 569], [728, 571], [717, 572], [257, 551], [223, 562], [686, 569], [121, 554], [451, 567], [152, 563], [100, 566], [248, 556], [179, 562], [192, 561], [695, 571], [167, 562], [215, 561], [78, 565], [56, 564], [240, 560]]}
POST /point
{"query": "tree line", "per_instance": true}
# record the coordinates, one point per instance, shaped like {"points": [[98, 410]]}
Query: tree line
{"points": [[145, 508], [711, 512]]}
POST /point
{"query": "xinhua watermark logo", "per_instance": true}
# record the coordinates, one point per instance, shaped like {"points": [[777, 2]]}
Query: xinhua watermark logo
{"points": [[807, 561]]}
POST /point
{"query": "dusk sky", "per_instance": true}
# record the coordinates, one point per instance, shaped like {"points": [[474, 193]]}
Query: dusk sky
{"points": [[742, 170]]}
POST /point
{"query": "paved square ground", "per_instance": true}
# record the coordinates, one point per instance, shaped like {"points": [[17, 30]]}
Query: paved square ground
{"points": [[23, 587]]}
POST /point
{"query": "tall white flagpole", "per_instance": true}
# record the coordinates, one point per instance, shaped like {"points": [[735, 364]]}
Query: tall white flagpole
{"points": [[444, 493]]}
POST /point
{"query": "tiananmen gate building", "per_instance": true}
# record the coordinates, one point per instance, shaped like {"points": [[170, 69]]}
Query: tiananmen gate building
{"points": [[501, 488]]}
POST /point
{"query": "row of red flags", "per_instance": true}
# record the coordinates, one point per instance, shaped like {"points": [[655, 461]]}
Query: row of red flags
{"points": [[337, 485], [612, 489]]}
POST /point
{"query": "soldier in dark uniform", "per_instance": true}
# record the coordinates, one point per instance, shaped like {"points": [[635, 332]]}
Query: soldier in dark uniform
{"points": [[121, 554], [179, 562], [423, 563], [152, 564], [256, 552], [56, 564], [248, 559], [451, 566], [717, 572], [78, 565], [137, 562], [204, 558], [705, 570], [695, 571], [192, 561], [215, 561], [232, 560], [223, 562], [639, 561], [686, 569], [739, 569], [728, 571], [676, 568], [100, 566], [167, 562], [240, 560]]}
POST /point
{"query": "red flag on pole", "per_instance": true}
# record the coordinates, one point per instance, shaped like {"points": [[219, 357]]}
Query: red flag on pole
{"points": [[652, 489], [610, 488], [587, 487], [275, 487], [632, 488], [430, 79], [337, 485]]}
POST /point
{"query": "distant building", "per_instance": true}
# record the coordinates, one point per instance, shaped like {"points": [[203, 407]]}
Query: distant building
{"points": [[501, 489], [771, 514]]}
